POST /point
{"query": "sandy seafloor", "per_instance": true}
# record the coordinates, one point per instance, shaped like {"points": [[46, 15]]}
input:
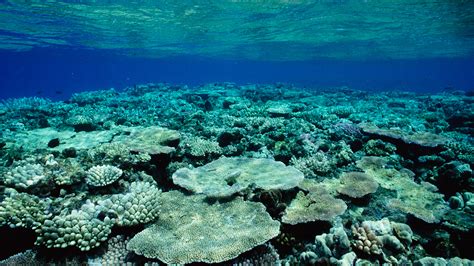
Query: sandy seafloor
{"points": [[242, 175]]}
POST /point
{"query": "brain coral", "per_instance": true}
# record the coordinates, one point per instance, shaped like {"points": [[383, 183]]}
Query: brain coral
{"points": [[103, 175], [313, 207], [357, 184], [226, 176], [191, 230]]}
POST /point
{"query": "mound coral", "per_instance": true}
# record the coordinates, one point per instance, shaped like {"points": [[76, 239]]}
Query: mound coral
{"points": [[25, 176], [83, 228], [137, 206], [22, 209]]}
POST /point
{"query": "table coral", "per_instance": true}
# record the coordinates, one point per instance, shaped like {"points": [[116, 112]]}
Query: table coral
{"points": [[313, 207], [226, 176], [357, 184], [191, 230]]}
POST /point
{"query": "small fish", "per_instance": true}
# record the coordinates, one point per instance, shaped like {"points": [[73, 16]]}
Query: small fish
{"points": [[39, 92], [58, 92]]}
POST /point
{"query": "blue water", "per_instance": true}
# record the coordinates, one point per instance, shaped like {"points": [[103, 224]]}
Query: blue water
{"points": [[57, 73]]}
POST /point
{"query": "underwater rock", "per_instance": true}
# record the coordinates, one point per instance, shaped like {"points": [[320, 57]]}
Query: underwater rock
{"points": [[229, 137], [191, 230], [453, 177], [226, 176], [462, 121]]}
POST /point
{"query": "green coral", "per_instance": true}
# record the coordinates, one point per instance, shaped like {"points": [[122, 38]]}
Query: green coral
{"points": [[191, 230]]}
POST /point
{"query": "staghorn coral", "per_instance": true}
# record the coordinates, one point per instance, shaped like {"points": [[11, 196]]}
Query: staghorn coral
{"points": [[28, 257], [116, 153], [226, 176], [191, 230], [262, 255], [313, 207], [102, 175]]}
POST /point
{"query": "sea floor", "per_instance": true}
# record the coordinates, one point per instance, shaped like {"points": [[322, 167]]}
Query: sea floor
{"points": [[238, 175]]}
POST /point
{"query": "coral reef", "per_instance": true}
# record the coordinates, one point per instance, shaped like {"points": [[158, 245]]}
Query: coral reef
{"points": [[243, 175]]}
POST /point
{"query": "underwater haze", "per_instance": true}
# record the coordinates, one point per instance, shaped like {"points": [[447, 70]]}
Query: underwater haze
{"points": [[244, 133]]}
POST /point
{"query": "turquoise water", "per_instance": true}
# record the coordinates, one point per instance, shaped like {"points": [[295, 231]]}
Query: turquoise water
{"points": [[236, 132]]}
